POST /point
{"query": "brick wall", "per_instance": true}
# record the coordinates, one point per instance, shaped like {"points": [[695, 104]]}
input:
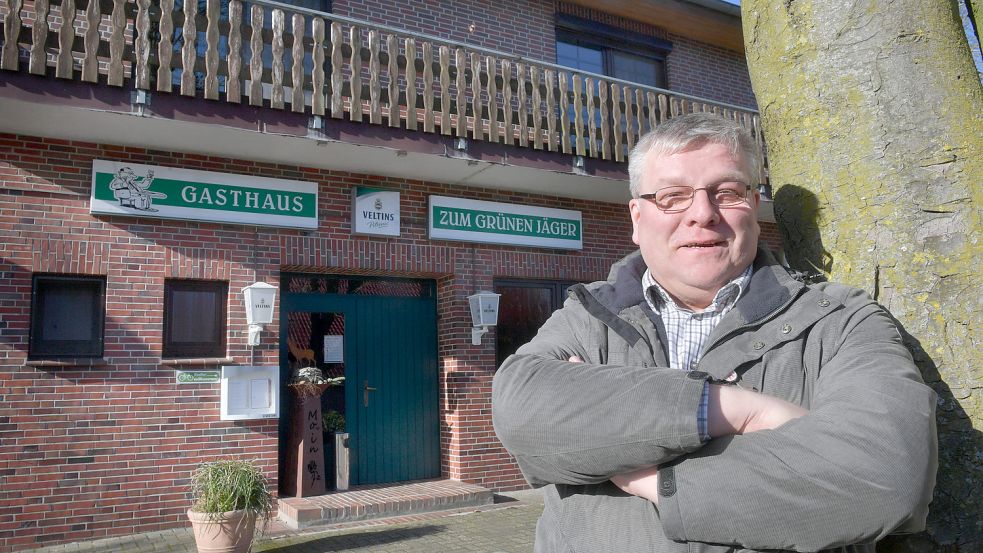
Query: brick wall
{"points": [[92, 450], [771, 237], [709, 71], [98, 449], [520, 27]]}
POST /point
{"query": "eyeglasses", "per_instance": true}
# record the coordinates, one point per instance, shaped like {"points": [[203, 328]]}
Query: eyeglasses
{"points": [[673, 199]]}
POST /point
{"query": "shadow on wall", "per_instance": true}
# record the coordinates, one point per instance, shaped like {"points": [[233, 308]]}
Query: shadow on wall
{"points": [[955, 505]]}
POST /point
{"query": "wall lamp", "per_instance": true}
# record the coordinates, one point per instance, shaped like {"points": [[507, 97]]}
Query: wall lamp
{"points": [[484, 313], [260, 298]]}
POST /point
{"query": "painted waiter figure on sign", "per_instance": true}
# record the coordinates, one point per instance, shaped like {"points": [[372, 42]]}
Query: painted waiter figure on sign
{"points": [[701, 399]]}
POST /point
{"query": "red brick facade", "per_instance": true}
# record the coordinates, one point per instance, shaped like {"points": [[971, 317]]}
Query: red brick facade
{"points": [[690, 62], [94, 449]]}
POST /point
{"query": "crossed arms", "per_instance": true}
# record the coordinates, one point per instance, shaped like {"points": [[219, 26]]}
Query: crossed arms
{"points": [[858, 466], [731, 411]]}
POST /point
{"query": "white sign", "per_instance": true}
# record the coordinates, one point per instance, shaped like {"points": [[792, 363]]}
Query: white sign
{"points": [[121, 188], [375, 212], [334, 348], [498, 223], [250, 392]]}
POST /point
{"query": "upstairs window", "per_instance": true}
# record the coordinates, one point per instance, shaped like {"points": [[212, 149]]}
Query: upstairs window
{"points": [[201, 43], [319, 5], [598, 48], [67, 316], [194, 318]]}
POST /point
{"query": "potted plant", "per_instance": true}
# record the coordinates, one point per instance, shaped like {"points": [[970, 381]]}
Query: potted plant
{"points": [[227, 497], [335, 448], [333, 422]]}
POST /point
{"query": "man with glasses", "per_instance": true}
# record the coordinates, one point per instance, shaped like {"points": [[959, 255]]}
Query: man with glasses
{"points": [[702, 399]]}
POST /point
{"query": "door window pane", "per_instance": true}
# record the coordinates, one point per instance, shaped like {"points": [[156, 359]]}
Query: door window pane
{"points": [[357, 286]]}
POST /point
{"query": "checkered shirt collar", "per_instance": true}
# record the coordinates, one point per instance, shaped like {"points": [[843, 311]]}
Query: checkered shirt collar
{"points": [[658, 298]]}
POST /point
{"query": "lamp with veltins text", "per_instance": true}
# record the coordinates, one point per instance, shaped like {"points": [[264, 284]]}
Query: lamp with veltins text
{"points": [[484, 313], [260, 298]]}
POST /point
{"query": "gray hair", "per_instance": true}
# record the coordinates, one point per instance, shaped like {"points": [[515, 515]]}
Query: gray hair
{"points": [[689, 132]]}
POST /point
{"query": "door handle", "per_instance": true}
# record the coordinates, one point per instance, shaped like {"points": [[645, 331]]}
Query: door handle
{"points": [[365, 392]]}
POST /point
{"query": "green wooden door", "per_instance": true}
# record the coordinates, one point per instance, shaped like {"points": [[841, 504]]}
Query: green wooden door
{"points": [[390, 367], [395, 432]]}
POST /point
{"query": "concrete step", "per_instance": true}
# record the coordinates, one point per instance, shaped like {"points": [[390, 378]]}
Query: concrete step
{"points": [[380, 501]]}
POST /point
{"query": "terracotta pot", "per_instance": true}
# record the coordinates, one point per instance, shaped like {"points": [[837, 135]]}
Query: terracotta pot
{"points": [[229, 532]]}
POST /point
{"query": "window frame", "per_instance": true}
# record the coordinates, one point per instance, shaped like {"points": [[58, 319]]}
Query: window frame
{"points": [[39, 349], [606, 38], [557, 297], [210, 349]]}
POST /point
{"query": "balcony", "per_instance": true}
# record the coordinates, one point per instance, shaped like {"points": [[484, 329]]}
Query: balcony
{"points": [[320, 76]]}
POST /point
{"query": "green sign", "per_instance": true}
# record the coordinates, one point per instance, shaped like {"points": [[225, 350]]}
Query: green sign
{"points": [[198, 377], [479, 221], [148, 191]]}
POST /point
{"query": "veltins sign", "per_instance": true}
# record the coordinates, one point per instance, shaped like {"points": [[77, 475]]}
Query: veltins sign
{"points": [[120, 188], [375, 212], [498, 223]]}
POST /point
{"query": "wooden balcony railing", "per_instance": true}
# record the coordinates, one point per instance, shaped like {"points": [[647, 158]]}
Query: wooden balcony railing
{"points": [[282, 57]]}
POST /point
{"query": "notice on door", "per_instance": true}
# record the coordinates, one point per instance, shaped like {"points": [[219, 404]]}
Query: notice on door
{"points": [[334, 348]]}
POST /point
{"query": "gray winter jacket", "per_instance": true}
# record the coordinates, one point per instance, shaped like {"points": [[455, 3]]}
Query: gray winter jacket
{"points": [[860, 465]]}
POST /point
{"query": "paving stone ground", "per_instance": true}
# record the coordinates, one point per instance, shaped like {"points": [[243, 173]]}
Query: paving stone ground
{"points": [[507, 529], [508, 526]]}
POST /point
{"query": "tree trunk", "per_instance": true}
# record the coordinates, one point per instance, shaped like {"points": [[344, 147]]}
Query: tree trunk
{"points": [[873, 116], [973, 7]]}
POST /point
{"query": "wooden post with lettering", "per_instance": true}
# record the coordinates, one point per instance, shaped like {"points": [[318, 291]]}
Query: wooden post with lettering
{"points": [[305, 470]]}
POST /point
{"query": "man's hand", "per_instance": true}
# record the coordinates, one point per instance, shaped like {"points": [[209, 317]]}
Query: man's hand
{"points": [[733, 410], [643, 483]]}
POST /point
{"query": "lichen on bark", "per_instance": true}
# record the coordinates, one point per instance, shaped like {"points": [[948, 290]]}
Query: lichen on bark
{"points": [[873, 116]]}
